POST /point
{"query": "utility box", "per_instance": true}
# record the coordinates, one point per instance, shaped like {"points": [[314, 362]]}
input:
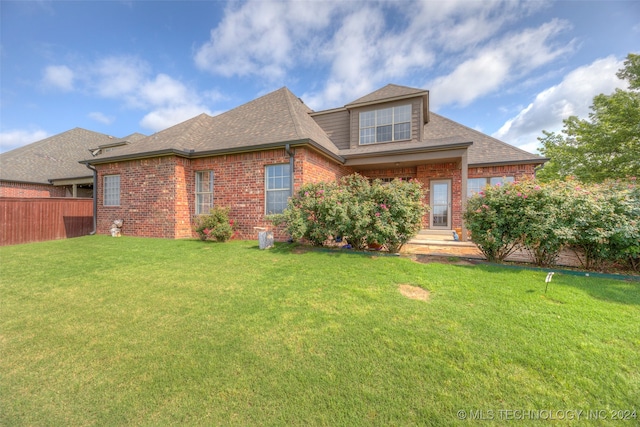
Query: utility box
{"points": [[265, 237]]}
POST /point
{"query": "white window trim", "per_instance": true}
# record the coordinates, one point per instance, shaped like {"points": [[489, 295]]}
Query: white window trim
{"points": [[107, 198], [267, 190], [487, 181], [198, 193], [393, 125]]}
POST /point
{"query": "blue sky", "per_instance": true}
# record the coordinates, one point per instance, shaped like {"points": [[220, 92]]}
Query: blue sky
{"points": [[507, 68]]}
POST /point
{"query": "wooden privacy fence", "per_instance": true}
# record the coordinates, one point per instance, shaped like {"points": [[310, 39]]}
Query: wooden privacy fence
{"points": [[36, 220]]}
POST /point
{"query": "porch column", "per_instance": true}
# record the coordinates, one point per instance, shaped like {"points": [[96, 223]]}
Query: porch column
{"points": [[75, 190], [465, 175]]}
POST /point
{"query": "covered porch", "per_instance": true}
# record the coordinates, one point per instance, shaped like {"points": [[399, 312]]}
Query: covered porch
{"points": [[443, 172]]}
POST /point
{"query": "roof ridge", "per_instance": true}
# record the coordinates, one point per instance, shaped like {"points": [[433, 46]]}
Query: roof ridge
{"points": [[187, 127], [486, 135], [294, 117]]}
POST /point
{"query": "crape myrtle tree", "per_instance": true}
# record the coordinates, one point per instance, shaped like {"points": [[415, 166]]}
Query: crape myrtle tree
{"points": [[604, 146]]}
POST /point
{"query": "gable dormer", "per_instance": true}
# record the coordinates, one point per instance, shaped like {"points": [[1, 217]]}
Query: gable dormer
{"points": [[390, 114]]}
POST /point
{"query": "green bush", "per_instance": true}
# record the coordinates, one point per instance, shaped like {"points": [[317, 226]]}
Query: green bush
{"points": [[496, 219], [605, 226], [215, 225], [598, 221], [361, 212], [548, 222], [625, 242]]}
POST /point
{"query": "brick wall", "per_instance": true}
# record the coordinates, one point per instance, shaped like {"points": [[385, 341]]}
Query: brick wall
{"points": [[147, 197], [20, 189], [517, 171], [437, 171], [157, 196], [312, 167], [239, 181], [408, 172]]}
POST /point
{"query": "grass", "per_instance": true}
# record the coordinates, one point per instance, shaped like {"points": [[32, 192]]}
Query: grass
{"points": [[103, 331]]}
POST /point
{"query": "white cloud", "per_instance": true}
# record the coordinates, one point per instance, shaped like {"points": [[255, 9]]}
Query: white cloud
{"points": [[164, 90], [12, 139], [166, 100], [364, 52], [263, 37], [572, 96], [101, 117], [117, 76], [58, 77], [164, 117], [498, 64]]}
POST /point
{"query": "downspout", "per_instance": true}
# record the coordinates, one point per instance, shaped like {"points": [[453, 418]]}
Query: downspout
{"points": [[95, 199], [287, 148]]}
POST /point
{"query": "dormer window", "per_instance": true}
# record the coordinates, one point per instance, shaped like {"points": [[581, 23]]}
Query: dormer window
{"points": [[385, 125]]}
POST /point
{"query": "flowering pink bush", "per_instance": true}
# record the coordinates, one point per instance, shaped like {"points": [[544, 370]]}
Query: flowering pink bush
{"points": [[215, 225], [599, 221], [361, 212]]}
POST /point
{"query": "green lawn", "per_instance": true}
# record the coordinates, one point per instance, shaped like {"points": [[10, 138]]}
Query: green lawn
{"points": [[129, 331]]}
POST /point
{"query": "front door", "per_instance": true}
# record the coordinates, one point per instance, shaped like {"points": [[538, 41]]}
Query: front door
{"points": [[441, 204]]}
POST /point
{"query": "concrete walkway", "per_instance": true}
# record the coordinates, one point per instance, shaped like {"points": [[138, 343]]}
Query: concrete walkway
{"points": [[440, 242]]}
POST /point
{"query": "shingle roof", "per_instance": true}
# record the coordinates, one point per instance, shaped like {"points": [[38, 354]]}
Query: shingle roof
{"points": [[485, 149], [55, 157], [277, 117], [390, 91], [281, 117]]}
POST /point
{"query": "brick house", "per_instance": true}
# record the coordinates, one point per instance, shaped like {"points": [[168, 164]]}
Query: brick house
{"points": [[51, 168], [253, 157]]}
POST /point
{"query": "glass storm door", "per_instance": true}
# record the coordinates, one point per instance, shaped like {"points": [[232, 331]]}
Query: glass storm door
{"points": [[441, 205]]}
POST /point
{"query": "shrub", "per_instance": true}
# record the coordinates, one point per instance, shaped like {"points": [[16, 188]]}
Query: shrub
{"points": [[599, 222], [606, 223], [548, 222], [625, 242], [496, 219], [309, 215], [215, 225], [398, 212], [364, 213]]}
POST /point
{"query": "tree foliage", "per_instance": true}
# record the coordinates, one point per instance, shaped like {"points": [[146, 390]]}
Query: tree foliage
{"points": [[604, 146]]}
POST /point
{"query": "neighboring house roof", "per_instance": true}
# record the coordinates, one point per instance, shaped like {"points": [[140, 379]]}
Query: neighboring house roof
{"points": [[276, 118], [52, 158]]}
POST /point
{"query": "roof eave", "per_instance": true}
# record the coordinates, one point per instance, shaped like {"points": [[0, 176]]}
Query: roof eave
{"points": [[538, 161], [192, 154], [25, 182], [332, 110], [423, 94], [410, 150]]}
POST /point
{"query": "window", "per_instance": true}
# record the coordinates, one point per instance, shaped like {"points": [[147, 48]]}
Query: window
{"points": [[111, 196], [277, 187], [385, 125], [476, 185], [204, 192]]}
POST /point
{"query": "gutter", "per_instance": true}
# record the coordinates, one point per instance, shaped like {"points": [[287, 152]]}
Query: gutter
{"points": [[95, 199], [407, 150], [287, 148], [190, 154], [540, 161]]}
